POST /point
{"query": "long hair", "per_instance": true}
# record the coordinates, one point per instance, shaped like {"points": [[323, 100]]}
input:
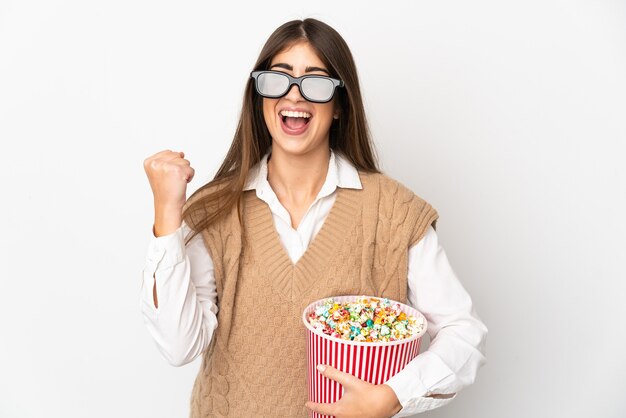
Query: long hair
{"points": [[349, 134]]}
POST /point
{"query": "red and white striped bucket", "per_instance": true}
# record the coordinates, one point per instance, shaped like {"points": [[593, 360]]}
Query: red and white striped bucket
{"points": [[373, 362]]}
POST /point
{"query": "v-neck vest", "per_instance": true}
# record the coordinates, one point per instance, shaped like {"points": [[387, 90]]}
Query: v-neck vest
{"points": [[256, 362]]}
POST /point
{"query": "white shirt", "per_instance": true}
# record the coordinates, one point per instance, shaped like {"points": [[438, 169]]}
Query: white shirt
{"points": [[183, 324]]}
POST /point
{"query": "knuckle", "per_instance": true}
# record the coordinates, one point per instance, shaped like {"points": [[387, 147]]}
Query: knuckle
{"points": [[155, 164], [169, 168]]}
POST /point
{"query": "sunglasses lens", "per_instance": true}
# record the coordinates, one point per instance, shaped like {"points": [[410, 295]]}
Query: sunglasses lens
{"points": [[272, 84], [318, 89]]}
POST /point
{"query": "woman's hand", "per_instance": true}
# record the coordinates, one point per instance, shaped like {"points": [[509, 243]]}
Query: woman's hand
{"points": [[360, 398], [168, 173]]}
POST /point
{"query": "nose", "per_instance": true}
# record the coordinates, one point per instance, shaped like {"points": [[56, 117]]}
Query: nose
{"points": [[294, 94]]}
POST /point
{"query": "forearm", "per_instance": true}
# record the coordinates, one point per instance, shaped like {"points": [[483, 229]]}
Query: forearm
{"points": [[458, 336], [178, 326], [167, 218], [179, 314]]}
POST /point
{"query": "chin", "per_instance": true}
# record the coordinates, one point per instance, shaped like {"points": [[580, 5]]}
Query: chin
{"points": [[290, 146]]}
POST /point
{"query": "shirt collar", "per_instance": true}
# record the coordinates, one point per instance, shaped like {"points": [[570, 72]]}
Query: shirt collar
{"points": [[341, 173]]}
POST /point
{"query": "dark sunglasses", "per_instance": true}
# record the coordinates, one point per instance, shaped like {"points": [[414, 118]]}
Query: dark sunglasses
{"points": [[314, 88]]}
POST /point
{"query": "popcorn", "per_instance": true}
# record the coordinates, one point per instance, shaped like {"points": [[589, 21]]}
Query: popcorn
{"points": [[365, 320]]}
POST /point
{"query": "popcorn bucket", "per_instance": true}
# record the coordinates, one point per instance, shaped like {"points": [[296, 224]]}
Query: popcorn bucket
{"points": [[374, 362]]}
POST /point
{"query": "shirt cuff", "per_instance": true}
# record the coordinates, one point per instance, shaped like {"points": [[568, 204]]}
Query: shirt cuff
{"points": [[166, 251], [416, 381], [423, 404]]}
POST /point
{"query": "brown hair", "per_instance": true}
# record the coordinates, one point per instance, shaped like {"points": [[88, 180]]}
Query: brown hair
{"points": [[349, 134]]}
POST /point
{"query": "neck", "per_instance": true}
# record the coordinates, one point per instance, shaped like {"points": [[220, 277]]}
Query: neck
{"points": [[298, 178]]}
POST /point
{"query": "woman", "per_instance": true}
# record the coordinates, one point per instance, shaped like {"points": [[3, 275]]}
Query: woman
{"points": [[298, 211]]}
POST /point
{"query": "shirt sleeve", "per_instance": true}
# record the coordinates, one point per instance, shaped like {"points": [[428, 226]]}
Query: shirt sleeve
{"points": [[182, 326], [458, 336]]}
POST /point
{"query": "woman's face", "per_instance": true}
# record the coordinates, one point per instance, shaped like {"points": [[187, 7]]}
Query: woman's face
{"points": [[296, 134]]}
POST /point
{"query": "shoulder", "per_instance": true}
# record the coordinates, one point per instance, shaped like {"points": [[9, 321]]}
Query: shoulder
{"points": [[391, 190], [400, 205]]}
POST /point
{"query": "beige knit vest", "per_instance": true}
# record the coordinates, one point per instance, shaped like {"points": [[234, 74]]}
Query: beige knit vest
{"points": [[256, 363]]}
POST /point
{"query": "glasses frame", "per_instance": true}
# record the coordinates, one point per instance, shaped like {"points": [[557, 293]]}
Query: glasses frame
{"points": [[298, 82]]}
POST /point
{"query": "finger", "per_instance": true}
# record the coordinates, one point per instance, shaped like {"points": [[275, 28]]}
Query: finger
{"points": [[345, 379], [172, 156], [191, 172], [179, 161], [321, 408], [162, 153]]}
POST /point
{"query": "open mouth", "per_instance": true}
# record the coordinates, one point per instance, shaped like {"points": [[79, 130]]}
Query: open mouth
{"points": [[295, 123]]}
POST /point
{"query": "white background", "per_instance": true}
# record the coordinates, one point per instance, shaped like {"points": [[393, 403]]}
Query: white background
{"points": [[509, 117]]}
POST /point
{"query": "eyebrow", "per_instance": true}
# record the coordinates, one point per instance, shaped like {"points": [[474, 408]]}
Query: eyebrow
{"points": [[306, 70]]}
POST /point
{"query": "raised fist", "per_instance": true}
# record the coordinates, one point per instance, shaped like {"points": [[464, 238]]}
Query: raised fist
{"points": [[168, 173]]}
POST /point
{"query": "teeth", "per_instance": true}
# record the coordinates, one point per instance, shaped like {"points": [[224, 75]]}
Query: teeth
{"points": [[291, 114]]}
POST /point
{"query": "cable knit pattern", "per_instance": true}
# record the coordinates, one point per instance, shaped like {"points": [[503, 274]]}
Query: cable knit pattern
{"points": [[256, 363]]}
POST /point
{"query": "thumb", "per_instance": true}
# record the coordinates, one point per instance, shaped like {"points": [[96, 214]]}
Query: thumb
{"points": [[345, 379]]}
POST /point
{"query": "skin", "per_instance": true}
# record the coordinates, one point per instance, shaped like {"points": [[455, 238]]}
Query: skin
{"points": [[360, 398], [296, 171], [168, 173], [299, 163]]}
